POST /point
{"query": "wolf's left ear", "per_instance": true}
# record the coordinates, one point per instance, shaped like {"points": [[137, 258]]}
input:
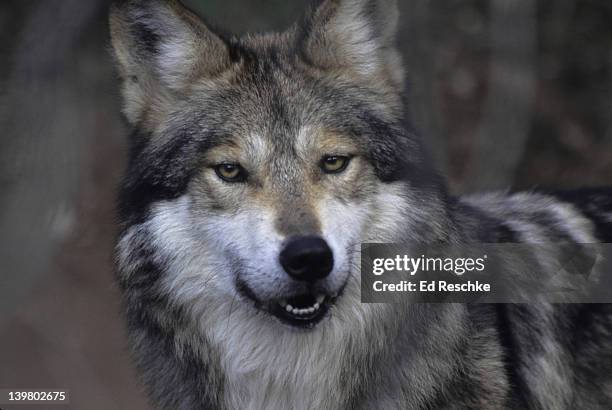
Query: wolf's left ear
{"points": [[160, 48], [355, 35]]}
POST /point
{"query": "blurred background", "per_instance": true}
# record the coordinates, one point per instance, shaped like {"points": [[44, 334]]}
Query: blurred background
{"points": [[508, 94]]}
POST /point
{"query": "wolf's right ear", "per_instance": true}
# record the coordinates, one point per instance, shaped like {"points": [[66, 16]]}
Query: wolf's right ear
{"points": [[355, 36], [160, 47]]}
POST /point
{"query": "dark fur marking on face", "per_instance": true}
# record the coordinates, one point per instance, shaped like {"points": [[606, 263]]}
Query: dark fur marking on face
{"points": [[158, 174], [395, 154]]}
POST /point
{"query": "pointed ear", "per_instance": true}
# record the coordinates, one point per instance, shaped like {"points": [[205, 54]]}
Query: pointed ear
{"points": [[358, 35], [160, 47]]}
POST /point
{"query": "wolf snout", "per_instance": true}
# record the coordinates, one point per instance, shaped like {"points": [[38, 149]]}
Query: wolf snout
{"points": [[307, 258]]}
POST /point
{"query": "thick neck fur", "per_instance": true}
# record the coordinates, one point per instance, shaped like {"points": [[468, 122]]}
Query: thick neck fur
{"points": [[391, 356]]}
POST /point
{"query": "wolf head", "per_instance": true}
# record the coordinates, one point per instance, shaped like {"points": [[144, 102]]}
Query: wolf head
{"points": [[259, 164]]}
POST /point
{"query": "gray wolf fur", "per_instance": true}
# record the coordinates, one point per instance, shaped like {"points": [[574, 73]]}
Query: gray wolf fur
{"points": [[225, 168]]}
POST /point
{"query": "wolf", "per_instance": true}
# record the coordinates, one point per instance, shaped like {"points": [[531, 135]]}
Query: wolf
{"points": [[257, 166]]}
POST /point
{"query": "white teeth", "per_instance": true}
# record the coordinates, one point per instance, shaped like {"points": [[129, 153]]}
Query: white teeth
{"points": [[302, 311]]}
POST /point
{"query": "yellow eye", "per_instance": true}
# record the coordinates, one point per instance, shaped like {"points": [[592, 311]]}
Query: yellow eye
{"points": [[230, 172], [334, 164]]}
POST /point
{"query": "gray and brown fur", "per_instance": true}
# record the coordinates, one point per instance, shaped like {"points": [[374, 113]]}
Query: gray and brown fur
{"points": [[190, 244]]}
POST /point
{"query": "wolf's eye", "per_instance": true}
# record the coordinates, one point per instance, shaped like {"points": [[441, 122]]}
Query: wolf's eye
{"points": [[231, 172], [334, 164]]}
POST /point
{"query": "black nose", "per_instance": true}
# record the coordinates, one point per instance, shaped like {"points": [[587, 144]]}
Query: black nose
{"points": [[307, 258]]}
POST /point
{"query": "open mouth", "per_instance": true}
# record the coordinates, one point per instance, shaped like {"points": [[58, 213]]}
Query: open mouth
{"points": [[303, 311]]}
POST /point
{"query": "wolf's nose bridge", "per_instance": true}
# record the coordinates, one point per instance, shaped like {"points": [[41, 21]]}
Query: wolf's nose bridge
{"points": [[297, 217]]}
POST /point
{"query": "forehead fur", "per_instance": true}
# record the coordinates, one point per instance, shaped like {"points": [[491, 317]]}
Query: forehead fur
{"points": [[162, 49]]}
